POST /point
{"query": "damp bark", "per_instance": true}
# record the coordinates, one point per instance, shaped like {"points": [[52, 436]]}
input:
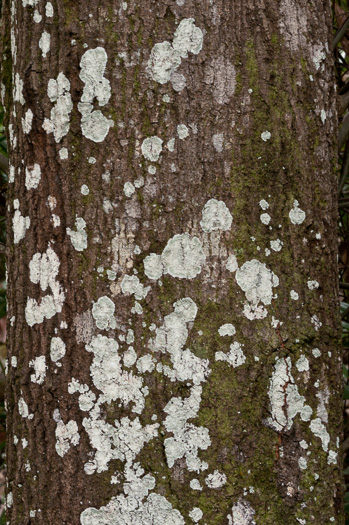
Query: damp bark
{"points": [[174, 346]]}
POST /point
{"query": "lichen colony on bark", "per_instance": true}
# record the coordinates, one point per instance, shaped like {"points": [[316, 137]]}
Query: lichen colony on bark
{"points": [[173, 349]]}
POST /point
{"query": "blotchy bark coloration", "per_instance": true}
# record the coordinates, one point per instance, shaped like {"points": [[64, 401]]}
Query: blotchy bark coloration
{"points": [[174, 347]]}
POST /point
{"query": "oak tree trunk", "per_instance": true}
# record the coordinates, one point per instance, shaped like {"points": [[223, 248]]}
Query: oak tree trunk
{"points": [[174, 344]]}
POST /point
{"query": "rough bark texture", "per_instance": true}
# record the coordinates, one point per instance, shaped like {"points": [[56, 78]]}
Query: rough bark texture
{"points": [[174, 347]]}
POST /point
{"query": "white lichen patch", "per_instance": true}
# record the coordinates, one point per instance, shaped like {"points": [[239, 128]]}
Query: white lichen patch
{"points": [[57, 349], [196, 514], [302, 364], [94, 125], [131, 284], [45, 43], [23, 408], [20, 224], [59, 122], [232, 264], [234, 357], [182, 131], [313, 285], [216, 480], [182, 257], [216, 216], [332, 457], [227, 329], [257, 281], [27, 121], [103, 313], [151, 148], [18, 90], [276, 245], [217, 141], [264, 204], [79, 237], [316, 352], [44, 270], [63, 153], [40, 367], [265, 218], [171, 337], [296, 215], [195, 484], [242, 514], [187, 438], [266, 135], [84, 190], [294, 295], [32, 177], [49, 10], [303, 464], [37, 17], [129, 189], [66, 436], [319, 430], [285, 400], [316, 322], [165, 58]]}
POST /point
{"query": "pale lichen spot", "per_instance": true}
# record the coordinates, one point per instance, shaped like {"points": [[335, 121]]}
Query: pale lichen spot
{"points": [[276, 245], [316, 322], [242, 514], [257, 281], [63, 153], [264, 204], [319, 430], [32, 177], [316, 352], [218, 141], [196, 514], [49, 10], [265, 218], [227, 329], [79, 237], [45, 43], [37, 17], [94, 125], [266, 135], [216, 480], [103, 313], [84, 190], [131, 284], [303, 464], [313, 285], [27, 121], [232, 264], [183, 131], [151, 148], [296, 215], [57, 349], [294, 295], [20, 224], [40, 367], [188, 38], [195, 484], [129, 189], [302, 364], [216, 216]]}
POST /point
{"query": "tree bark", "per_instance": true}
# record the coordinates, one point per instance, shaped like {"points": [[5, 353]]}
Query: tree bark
{"points": [[174, 341]]}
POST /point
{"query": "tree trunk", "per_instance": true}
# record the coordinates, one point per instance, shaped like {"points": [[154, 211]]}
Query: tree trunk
{"points": [[174, 343]]}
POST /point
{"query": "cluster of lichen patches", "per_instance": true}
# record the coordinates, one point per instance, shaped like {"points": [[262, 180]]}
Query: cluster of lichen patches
{"points": [[165, 58], [242, 514], [59, 93], [94, 125], [44, 268], [66, 434]]}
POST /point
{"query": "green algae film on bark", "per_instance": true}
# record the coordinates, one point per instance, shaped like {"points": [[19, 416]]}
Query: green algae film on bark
{"points": [[174, 355]]}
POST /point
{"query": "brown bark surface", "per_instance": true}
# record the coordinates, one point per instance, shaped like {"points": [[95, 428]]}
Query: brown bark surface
{"points": [[201, 383]]}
